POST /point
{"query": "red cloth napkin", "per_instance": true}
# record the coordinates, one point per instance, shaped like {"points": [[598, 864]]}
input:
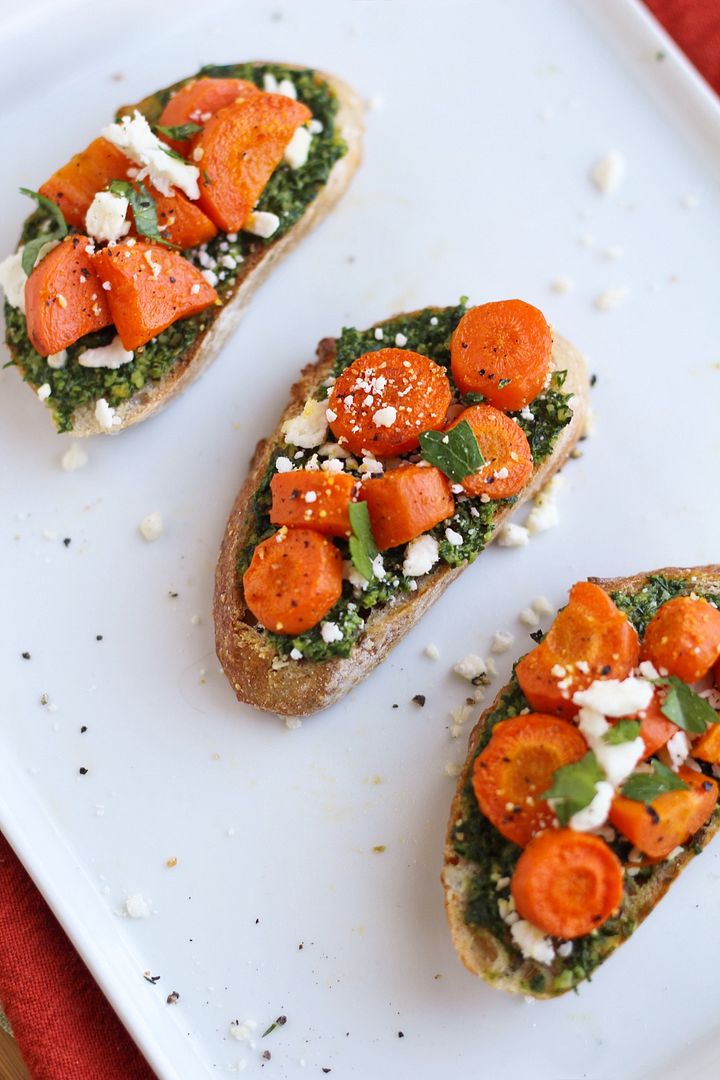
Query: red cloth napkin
{"points": [[63, 1024]]}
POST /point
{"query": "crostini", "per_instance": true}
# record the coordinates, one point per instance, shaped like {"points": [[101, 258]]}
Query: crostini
{"points": [[403, 450], [590, 782], [145, 248]]}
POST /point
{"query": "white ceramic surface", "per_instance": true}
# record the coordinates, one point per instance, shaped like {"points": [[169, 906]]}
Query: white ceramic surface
{"points": [[475, 181]]}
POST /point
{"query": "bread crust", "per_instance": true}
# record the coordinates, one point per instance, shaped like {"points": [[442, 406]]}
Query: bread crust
{"points": [[480, 951], [256, 267], [299, 689]]}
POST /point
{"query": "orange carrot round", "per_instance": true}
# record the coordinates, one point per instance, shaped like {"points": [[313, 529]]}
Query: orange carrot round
{"points": [[671, 819], [384, 400], [150, 288], [74, 186], [314, 499], [502, 350], [294, 579], [197, 101], [63, 297], [505, 448], [239, 150], [517, 766], [589, 639], [406, 502], [567, 883], [683, 637]]}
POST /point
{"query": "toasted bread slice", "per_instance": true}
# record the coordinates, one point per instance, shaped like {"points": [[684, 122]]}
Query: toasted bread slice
{"points": [[256, 267], [251, 661], [481, 951]]}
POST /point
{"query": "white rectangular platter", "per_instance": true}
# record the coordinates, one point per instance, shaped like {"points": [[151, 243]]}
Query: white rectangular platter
{"points": [[485, 120]]}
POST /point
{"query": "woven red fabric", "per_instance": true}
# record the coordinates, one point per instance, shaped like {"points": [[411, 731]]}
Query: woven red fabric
{"points": [[61, 1020], [64, 1026], [695, 26]]}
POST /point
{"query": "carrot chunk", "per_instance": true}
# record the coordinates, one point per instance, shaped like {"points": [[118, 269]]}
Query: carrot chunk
{"points": [[197, 101], [589, 639], [517, 766], [502, 350], [683, 637], [63, 297], [180, 221], [150, 288], [406, 502], [239, 150], [655, 728], [293, 580], [74, 186], [671, 819], [707, 747], [317, 500], [505, 448], [567, 883], [384, 400]]}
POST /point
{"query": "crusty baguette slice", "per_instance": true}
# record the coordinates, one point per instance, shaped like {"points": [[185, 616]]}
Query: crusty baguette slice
{"points": [[154, 396], [298, 689], [480, 951]]}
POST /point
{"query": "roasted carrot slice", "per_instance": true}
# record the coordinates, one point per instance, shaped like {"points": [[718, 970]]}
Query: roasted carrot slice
{"points": [[63, 297], [197, 101], [655, 728], [239, 150], [150, 287], [517, 766], [384, 400], [293, 580], [314, 499], [567, 883], [683, 637], [502, 350], [505, 448], [74, 186], [589, 639], [180, 221], [660, 826], [406, 502], [707, 747]]}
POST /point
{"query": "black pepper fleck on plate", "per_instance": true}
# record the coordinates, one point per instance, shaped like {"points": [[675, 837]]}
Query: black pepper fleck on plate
{"points": [[98, 637], [67, 541], [83, 729], [25, 655], [420, 700], [172, 998], [82, 770]]}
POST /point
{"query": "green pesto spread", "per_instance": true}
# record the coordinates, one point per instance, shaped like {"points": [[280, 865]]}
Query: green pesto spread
{"points": [[287, 194], [493, 857], [427, 332]]}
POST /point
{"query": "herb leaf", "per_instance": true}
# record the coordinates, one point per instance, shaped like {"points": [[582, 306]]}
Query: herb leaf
{"points": [[573, 787], [623, 731], [179, 133], [143, 208], [57, 232], [686, 708], [645, 787], [362, 542], [455, 452]]}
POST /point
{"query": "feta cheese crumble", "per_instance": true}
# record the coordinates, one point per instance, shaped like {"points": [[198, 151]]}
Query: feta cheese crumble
{"points": [[595, 814], [134, 136], [329, 632], [57, 360], [608, 173], [616, 697], [529, 618], [309, 428], [137, 907], [112, 356], [470, 667], [617, 760], [385, 417], [421, 554], [74, 458], [453, 538], [432, 652], [151, 526], [12, 280], [531, 942], [262, 223], [105, 217], [678, 748], [511, 535], [44, 391], [106, 416], [611, 298], [501, 642], [297, 150]]}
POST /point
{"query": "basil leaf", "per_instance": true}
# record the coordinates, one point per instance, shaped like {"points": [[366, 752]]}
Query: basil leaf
{"points": [[362, 543], [645, 787], [180, 133], [623, 731], [573, 787], [455, 452], [33, 247], [173, 153], [144, 210], [686, 708], [52, 208]]}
